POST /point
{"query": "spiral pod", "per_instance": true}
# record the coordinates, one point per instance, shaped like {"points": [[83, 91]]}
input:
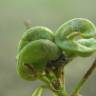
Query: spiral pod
{"points": [[36, 49], [35, 33], [77, 37]]}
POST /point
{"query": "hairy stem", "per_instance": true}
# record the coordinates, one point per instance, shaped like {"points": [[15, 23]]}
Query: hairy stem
{"points": [[84, 79]]}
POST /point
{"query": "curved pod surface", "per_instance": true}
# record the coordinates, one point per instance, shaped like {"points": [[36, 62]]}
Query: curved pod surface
{"points": [[77, 37]]}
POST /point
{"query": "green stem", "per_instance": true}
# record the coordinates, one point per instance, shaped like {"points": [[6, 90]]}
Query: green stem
{"points": [[59, 84], [61, 91], [55, 80], [84, 79]]}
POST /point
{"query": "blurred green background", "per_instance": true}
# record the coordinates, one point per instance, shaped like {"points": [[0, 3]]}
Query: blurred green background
{"points": [[50, 13]]}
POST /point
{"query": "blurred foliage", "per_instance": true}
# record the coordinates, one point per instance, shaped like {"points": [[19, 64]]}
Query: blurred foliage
{"points": [[50, 13]]}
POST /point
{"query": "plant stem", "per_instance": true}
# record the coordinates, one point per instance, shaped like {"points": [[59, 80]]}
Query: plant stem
{"points": [[60, 90], [84, 79], [59, 84]]}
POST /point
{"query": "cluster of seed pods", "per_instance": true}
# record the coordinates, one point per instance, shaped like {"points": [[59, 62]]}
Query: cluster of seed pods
{"points": [[39, 46], [42, 53]]}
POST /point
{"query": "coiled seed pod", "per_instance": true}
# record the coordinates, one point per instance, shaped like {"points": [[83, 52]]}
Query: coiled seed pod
{"points": [[36, 48], [77, 37], [35, 33]]}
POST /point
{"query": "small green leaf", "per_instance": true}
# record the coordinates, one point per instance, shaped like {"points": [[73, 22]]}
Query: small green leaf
{"points": [[38, 91]]}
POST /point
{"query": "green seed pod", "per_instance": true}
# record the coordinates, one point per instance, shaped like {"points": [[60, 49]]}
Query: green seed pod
{"points": [[35, 50], [77, 37], [35, 33], [33, 58]]}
